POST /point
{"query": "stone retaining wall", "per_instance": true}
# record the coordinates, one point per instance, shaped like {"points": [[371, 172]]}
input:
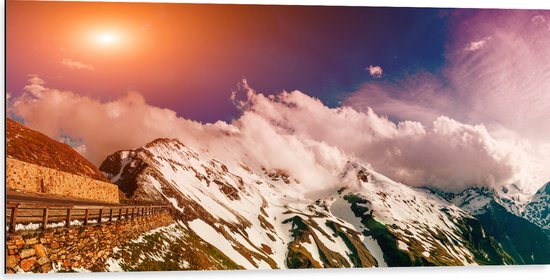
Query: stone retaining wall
{"points": [[29, 177], [75, 248]]}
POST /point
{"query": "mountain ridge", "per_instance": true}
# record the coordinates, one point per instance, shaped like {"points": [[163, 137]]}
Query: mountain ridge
{"points": [[260, 218]]}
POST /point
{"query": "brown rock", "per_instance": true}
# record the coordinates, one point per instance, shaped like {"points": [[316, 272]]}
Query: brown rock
{"points": [[46, 267], [40, 250], [54, 245], [11, 261], [31, 241], [27, 253], [43, 260], [28, 264], [66, 263]]}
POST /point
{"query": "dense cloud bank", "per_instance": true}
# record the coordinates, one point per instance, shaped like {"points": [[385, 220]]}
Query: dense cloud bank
{"points": [[290, 131]]}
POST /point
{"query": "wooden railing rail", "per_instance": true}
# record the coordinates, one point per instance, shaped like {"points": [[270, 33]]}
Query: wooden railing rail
{"points": [[62, 215]]}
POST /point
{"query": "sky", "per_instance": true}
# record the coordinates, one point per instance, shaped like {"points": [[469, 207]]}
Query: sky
{"points": [[190, 57], [447, 98]]}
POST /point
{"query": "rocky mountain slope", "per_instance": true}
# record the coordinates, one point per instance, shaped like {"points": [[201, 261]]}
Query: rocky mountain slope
{"points": [[515, 222], [260, 218], [25, 144]]}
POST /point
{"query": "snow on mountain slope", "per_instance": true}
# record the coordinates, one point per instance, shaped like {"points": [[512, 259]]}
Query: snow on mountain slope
{"points": [[262, 219], [538, 209]]}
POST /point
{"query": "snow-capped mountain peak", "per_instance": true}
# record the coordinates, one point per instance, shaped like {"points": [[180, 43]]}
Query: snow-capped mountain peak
{"points": [[260, 218]]}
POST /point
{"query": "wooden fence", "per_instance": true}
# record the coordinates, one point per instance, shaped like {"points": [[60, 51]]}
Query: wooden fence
{"points": [[43, 215]]}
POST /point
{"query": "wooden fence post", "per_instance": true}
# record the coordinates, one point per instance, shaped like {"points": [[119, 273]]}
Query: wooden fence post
{"points": [[111, 215], [13, 221], [126, 217], [86, 213], [100, 215], [68, 218], [45, 218], [119, 213]]}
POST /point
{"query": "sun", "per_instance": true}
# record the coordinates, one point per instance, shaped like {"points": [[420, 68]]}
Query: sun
{"points": [[107, 38]]}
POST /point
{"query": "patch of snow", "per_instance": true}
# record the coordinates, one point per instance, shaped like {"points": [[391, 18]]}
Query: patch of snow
{"points": [[342, 209], [29, 226], [402, 246], [210, 235], [375, 250], [113, 265]]}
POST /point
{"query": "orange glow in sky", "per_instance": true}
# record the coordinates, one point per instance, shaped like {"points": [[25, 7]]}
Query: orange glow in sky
{"points": [[185, 57]]}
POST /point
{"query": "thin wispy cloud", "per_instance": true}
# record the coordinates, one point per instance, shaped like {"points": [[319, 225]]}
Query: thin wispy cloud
{"points": [[538, 19], [72, 64], [476, 45]]}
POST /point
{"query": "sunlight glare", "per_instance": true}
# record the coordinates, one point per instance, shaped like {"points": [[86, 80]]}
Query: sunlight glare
{"points": [[107, 38]]}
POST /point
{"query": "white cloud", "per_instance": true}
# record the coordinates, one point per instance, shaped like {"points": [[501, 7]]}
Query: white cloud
{"points": [[290, 131], [129, 122], [445, 153], [72, 64], [375, 71]]}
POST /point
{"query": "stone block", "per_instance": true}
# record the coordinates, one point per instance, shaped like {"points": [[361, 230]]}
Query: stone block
{"points": [[11, 261], [43, 260], [28, 264], [31, 241], [46, 268], [40, 250], [27, 253]]}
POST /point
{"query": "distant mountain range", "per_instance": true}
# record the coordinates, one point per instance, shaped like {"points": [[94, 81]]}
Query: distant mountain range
{"points": [[260, 218]]}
